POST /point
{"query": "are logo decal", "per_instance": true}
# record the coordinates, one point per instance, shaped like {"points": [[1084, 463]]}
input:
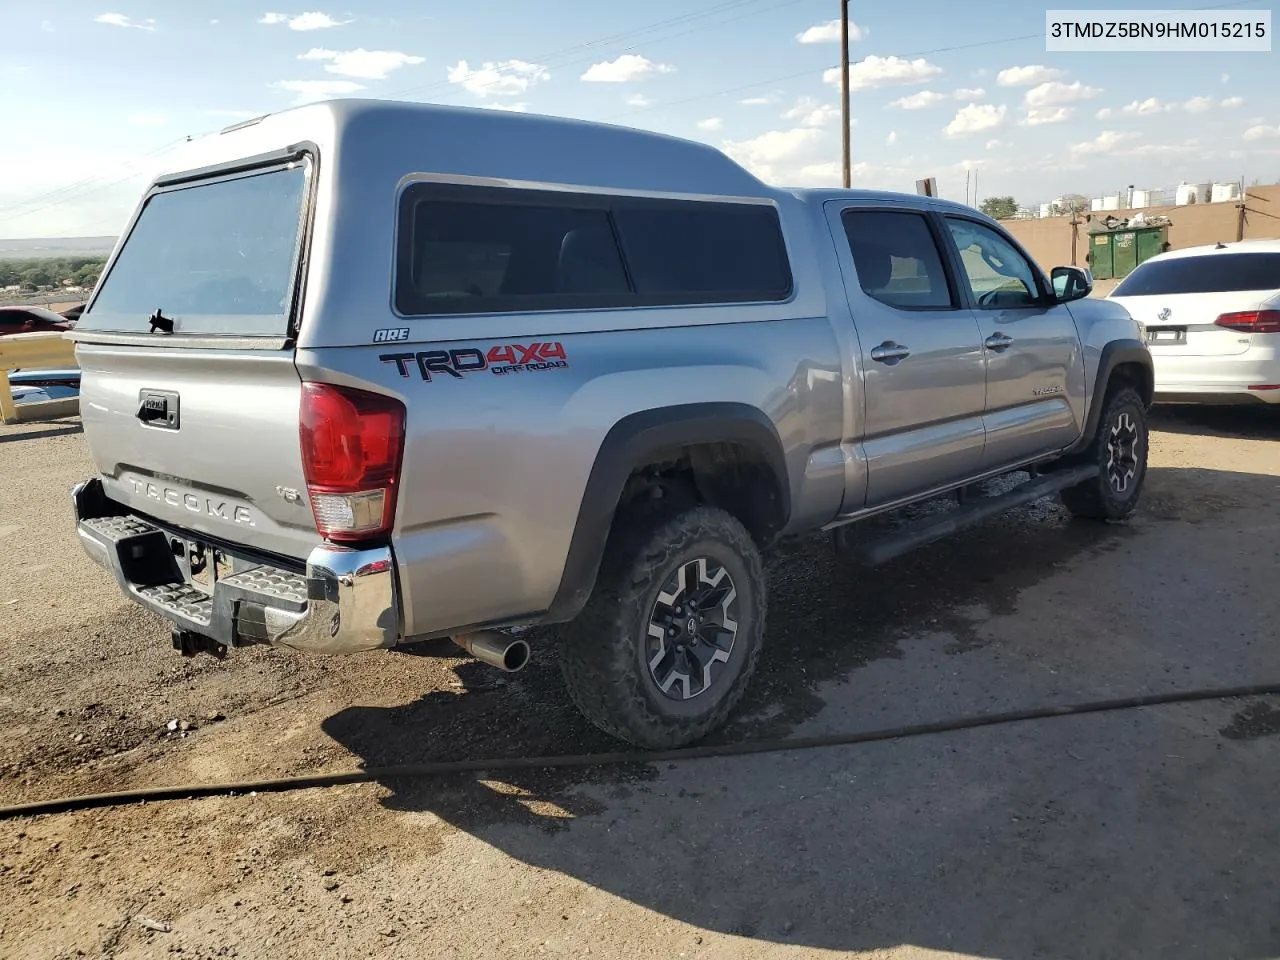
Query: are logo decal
{"points": [[500, 360], [391, 335]]}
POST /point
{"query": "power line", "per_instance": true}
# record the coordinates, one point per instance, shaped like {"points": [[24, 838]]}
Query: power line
{"points": [[96, 184], [550, 59], [808, 73]]}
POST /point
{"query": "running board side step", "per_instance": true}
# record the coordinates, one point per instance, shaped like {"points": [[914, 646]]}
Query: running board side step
{"points": [[971, 513]]}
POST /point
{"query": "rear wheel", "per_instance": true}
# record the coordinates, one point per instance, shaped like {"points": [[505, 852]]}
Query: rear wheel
{"points": [[667, 642], [1119, 448]]}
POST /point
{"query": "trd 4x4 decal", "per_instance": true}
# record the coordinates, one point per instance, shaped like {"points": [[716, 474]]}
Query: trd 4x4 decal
{"points": [[500, 360]]}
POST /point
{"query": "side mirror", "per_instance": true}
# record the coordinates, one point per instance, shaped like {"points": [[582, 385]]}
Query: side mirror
{"points": [[1071, 283]]}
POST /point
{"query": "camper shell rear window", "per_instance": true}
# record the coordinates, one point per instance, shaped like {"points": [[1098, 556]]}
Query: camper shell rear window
{"points": [[218, 257], [465, 249]]}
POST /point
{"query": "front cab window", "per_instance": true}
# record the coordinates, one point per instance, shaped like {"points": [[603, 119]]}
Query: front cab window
{"points": [[999, 277]]}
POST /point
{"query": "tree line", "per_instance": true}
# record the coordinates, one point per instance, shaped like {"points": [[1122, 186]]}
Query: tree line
{"points": [[51, 271]]}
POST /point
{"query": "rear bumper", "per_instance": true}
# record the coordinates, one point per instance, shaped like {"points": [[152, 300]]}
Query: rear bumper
{"points": [[345, 601], [1221, 379]]}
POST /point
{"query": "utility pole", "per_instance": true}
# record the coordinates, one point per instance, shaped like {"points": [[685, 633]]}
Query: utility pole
{"points": [[845, 119]]}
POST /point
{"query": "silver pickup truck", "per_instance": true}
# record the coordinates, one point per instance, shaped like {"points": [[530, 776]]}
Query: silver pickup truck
{"points": [[366, 373]]}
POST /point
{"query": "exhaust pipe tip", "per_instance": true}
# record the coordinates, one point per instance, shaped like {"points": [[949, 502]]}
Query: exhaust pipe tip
{"points": [[508, 654]]}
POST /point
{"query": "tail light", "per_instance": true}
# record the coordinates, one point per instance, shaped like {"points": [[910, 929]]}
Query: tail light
{"points": [[352, 442], [1251, 321]]}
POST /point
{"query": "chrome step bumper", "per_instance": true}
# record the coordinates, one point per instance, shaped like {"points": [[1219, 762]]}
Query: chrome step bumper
{"points": [[345, 602]]}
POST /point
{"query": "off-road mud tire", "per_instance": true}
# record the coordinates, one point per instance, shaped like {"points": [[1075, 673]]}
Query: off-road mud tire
{"points": [[1099, 497], [603, 651]]}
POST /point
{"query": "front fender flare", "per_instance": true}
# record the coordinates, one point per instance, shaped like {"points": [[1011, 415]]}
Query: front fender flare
{"points": [[1115, 354]]}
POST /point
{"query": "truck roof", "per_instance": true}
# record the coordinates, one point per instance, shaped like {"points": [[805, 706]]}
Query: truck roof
{"points": [[816, 195], [497, 144]]}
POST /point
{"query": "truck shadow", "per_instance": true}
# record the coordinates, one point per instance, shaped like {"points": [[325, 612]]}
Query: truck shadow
{"points": [[1017, 841]]}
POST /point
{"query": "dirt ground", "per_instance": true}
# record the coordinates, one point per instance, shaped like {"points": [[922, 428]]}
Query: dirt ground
{"points": [[1149, 833]]}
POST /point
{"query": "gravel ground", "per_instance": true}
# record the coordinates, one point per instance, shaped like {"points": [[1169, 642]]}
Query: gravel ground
{"points": [[1145, 834]]}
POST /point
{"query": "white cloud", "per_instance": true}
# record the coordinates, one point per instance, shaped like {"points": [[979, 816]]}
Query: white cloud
{"points": [[711, 123], [1230, 102], [1038, 117], [1225, 78], [1262, 132], [1198, 104], [892, 138], [1106, 113], [120, 20], [876, 71], [366, 64], [507, 107], [309, 91], [1145, 108], [919, 101], [1054, 93], [930, 98], [760, 101], [147, 119], [1027, 76], [315, 21], [764, 154], [976, 118], [829, 32], [812, 113], [628, 68], [639, 100], [233, 114], [506, 78], [1105, 142], [995, 145]]}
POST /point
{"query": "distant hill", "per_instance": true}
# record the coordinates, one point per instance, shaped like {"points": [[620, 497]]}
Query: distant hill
{"points": [[56, 247]]}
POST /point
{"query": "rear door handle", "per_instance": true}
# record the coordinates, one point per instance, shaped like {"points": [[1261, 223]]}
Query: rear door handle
{"points": [[997, 342], [889, 353]]}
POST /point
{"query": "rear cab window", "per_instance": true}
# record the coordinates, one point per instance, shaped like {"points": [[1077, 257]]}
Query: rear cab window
{"points": [[1207, 273], [465, 250], [219, 257], [897, 259]]}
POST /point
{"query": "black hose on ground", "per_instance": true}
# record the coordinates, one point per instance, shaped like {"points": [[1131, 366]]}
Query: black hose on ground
{"points": [[308, 781]]}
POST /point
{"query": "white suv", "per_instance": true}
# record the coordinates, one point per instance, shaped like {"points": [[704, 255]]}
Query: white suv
{"points": [[1212, 316]]}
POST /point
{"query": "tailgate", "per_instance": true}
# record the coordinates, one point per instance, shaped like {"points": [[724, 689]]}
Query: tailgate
{"points": [[223, 459], [188, 392]]}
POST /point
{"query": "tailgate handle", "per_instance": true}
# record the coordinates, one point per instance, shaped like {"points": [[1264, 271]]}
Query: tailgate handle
{"points": [[158, 408]]}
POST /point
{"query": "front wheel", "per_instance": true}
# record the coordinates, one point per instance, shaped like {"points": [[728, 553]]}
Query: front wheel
{"points": [[665, 646], [1119, 448]]}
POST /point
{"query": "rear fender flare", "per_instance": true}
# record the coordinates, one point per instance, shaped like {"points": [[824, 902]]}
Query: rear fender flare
{"points": [[641, 438]]}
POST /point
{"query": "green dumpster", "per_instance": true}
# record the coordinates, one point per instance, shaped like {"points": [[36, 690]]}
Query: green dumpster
{"points": [[1151, 241], [1100, 261], [1114, 253], [1124, 253]]}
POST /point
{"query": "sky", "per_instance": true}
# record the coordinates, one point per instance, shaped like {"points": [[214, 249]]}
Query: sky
{"points": [[93, 94]]}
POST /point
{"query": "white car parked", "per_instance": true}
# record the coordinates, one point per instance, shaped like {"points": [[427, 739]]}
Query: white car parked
{"points": [[1212, 316]]}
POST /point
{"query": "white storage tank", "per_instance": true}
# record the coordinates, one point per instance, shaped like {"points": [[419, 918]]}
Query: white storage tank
{"points": [[1111, 203], [1141, 198], [1225, 192], [1046, 210], [1186, 193]]}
